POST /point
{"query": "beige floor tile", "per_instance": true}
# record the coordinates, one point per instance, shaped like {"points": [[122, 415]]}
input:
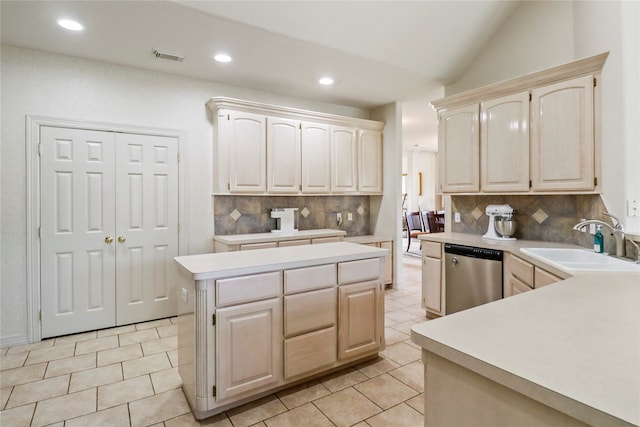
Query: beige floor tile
{"points": [[64, 407], [304, 393], [158, 408], [306, 415], [116, 331], [95, 345], [145, 365], [159, 346], [347, 407], [412, 344], [71, 364], [256, 412], [173, 357], [398, 416], [153, 324], [50, 353], [30, 347], [95, 377], [187, 420], [361, 424], [411, 374], [392, 305], [399, 316], [417, 403], [18, 417], [166, 380], [386, 391], [120, 354], [375, 367], [389, 322], [138, 336], [392, 336], [75, 338], [343, 379], [405, 327], [401, 353], [417, 310], [13, 360], [167, 331], [5, 392], [116, 416], [38, 390], [124, 391], [23, 375]]}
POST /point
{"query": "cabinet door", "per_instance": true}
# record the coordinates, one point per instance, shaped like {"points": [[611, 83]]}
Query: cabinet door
{"points": [[247, 152], [316, 158], [543, 278], [283, 159], [343, 159], [562, 136], [369, 161], [458, 149], [518, 286], [432, 294], [360, 319], [249, 348], [504, 143], [388, 263]]}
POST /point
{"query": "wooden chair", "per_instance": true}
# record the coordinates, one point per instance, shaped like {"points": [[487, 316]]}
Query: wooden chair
{"points": [[414, 227], [436, 222]]}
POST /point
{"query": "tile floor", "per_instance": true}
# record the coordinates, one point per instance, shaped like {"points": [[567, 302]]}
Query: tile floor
{"points": [[128, 376]]}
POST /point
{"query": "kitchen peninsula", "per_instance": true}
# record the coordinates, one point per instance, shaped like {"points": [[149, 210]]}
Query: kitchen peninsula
{"points": [[253, 322]]}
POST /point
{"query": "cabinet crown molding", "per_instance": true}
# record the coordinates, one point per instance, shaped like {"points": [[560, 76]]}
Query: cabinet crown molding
{"points": [[222, 103], [591, 64]]}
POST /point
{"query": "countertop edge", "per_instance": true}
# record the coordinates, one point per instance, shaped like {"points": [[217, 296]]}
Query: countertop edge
{"points": [[240, 239]]}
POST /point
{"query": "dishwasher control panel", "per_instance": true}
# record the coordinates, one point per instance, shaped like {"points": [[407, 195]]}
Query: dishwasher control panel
{"points": [[473, 252]]}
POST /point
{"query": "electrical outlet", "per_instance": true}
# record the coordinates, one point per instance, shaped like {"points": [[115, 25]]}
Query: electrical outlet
{"points": [[632, 208], [339, 217], [349, 216], [456, 217]]}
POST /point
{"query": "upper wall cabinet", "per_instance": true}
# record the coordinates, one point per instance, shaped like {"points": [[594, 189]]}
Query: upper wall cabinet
{"points": [[538, 133], [264, 149]]}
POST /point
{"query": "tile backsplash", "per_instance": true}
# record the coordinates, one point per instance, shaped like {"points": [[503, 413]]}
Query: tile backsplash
{"points": [[252, 214], [540, 217]]}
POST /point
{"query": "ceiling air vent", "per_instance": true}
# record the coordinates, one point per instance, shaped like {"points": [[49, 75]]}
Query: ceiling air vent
{"points": [[167, 55]]}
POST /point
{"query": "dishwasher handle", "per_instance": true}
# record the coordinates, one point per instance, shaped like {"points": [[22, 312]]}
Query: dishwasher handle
{"points": [[455, 261]]}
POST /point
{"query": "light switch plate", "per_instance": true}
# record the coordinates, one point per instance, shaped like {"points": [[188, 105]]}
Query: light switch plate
{"points": [[456, 217], [349, 216], [632, 208], [185, 295]]}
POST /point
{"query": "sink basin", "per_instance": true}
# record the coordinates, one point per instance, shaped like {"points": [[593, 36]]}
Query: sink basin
{"points": [[573, 260]]}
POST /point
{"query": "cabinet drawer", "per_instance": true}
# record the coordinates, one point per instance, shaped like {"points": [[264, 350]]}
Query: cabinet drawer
{"points": [[432, 249], [300, 242], [250, 246], [309, 352], [359, 271], [326, 240], [518, 286], [309, 278], [248, 288], [310, 311], [522, 270], [543, 278]]}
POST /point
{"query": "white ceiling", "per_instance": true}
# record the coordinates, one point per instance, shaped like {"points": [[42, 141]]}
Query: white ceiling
{"points": [[377, 51]]}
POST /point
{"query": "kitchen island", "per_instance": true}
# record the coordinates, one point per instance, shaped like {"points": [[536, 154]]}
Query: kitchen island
{"points": [[253, 322], [566, 354]]}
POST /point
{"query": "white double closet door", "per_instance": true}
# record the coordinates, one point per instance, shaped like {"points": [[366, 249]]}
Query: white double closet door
{"points": [[109, 228]]}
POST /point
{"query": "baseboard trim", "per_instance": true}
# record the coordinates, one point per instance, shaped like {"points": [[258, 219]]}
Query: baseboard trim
{"points": [[14, 340]]}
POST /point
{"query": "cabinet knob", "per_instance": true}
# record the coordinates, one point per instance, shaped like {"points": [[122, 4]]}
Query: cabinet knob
{"points": [[108, 239], [122, 239]]}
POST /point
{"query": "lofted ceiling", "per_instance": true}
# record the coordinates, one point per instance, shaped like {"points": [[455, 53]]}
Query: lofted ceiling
{"points": [[376, 51]]}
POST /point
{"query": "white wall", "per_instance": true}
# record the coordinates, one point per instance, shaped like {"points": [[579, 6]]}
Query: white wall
{"points": [[544, 34], [52, 85]]}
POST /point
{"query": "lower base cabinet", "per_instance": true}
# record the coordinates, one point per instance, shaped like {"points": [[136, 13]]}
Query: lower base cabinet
{"points": [[360, 329]]}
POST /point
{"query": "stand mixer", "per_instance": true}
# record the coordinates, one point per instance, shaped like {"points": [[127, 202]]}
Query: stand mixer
{"points": [[502, 215]]}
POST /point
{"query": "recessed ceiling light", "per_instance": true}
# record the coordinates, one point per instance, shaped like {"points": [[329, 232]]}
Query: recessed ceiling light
{"points": [[222, 57], [70, 25], [326, 81]]}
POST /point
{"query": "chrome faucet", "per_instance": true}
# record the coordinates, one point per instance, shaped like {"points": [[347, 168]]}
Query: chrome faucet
{"points": [[617, 231]]}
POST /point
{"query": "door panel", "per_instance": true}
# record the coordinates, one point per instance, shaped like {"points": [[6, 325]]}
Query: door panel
{"points": [[147, 222], [76, 199]]}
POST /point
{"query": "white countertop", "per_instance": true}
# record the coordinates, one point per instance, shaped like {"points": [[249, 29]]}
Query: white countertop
{"points": [[241, 239], [227, 264], [573, 345], [369, 238]]}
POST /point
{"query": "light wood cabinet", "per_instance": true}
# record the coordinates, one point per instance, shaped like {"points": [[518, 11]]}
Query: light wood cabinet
{"points": [[543, 278], [369, 161], [316, 158], [504, 143], [387, 275], [522, 276], [343, 159], [459, 149], [246, 141], [360, 328], [249, 343], [562, 143], [433, 297], [283, 159]]}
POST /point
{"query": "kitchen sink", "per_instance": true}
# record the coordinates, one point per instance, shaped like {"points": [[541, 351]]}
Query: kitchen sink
{"points": [[574, 260]]}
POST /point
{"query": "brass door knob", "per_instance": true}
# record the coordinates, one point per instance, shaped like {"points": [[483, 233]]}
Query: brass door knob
{"points": [[108, 239], [122, 239]]}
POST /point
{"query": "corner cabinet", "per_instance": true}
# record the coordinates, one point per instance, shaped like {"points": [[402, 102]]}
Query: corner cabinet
{"points": [[264, 149], [458, 149]]}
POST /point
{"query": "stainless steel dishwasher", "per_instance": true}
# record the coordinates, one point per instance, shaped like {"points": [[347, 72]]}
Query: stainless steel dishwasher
{"points": [[473, 276]]}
